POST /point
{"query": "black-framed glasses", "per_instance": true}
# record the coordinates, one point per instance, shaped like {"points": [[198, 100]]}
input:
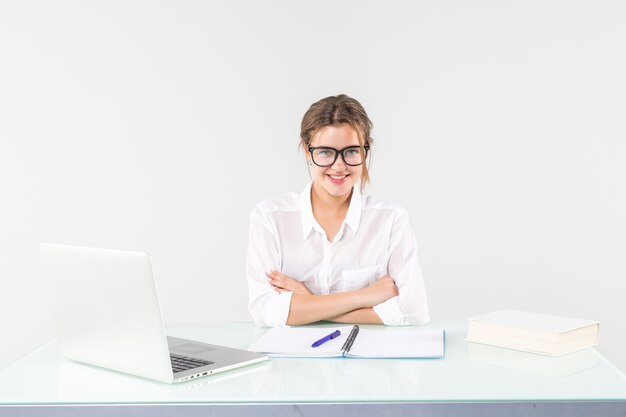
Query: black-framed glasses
{"points": [[324, 156]]}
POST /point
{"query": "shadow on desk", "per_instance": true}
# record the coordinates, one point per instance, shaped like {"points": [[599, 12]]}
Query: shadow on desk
{"points": [[553, 366], [338, 378], [78, 380]]}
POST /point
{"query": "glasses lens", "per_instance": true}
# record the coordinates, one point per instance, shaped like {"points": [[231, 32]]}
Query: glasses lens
{"points": [[353, 156], [324, 156]]}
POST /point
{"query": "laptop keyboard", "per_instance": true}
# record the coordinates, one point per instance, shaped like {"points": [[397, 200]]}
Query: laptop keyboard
{"points": [[183, 363]]}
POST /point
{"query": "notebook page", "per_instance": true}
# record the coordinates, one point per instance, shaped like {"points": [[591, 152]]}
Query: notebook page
{"points": [[399, 343], [296, 341]]}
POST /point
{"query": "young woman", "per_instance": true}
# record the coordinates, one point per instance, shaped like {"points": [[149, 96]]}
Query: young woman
{"points": [[331, 253]]}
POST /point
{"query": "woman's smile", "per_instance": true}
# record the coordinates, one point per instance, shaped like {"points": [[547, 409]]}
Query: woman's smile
{"points": [[338, 179]]}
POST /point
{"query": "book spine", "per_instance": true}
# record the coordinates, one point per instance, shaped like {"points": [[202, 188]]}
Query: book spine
{"points": [[348, 344]]}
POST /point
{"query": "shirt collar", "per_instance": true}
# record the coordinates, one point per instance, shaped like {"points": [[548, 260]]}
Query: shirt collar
{"points": [[353, 217], [306, 211]]}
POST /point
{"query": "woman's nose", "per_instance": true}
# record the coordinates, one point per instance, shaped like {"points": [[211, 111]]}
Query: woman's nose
{"points": [[339, 165]]}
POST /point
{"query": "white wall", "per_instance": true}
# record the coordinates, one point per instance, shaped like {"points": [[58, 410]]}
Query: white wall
{"points": [[158, 125]]}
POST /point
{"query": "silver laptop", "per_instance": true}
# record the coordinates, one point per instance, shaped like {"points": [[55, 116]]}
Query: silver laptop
{"points": [[107, 313]]}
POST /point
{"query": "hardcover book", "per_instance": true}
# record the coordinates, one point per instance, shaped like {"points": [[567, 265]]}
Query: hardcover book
{"points": [[532, 332]]}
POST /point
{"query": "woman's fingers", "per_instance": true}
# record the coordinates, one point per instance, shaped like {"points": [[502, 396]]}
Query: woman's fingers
{"points": [[281, 283], [277, 280], [380, 291]]}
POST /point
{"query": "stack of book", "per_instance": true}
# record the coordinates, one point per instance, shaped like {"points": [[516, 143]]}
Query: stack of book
{"points": [[532, 332]]}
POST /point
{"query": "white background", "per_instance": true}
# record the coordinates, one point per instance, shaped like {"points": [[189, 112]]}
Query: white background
{"points": [[157, 126]]}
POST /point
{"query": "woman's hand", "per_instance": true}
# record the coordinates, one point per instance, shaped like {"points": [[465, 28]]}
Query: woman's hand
{"points": [[281, 283], [380, 291]]}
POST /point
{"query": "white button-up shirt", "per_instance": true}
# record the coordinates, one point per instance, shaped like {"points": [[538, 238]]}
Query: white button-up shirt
{"points": [[374, 240]]}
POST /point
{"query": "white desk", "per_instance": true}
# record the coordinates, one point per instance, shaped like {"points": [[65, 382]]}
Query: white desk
{"points": [[471, 380]]}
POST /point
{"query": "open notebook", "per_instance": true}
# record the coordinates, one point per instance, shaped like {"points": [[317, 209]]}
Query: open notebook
{"points": [[353, 341]]}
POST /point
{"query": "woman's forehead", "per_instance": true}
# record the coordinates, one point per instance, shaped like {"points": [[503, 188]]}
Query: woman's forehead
{"points": [[336, 136]]}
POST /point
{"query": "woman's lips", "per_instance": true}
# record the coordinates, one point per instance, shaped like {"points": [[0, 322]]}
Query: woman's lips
{"points": [[338, 179]]}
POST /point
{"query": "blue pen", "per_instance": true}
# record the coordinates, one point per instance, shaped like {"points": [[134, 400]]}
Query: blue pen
{"points": [[325, 339]]}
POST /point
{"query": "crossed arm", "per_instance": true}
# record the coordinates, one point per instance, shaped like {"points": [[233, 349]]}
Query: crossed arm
{"points": [[345, 307]]}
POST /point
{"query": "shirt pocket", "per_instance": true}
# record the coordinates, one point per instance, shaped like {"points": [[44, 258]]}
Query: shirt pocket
{"points": [[356, 279]]}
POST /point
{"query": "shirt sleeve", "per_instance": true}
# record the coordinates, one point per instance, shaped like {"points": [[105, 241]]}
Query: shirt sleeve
{"points": [[267, 307], [410, 307]]}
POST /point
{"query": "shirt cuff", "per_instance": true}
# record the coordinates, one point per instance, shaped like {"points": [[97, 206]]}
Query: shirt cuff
{"points": [[282, 309], [389, 312]]}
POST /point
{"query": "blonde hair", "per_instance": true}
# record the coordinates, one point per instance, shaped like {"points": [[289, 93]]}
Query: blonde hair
{"points": [[336, 111]]}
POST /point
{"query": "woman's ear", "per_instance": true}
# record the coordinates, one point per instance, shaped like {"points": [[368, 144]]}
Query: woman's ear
{"points": [[307, 154]]}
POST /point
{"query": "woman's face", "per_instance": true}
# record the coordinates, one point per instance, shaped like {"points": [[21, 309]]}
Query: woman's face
{"points": [[337, 179]]}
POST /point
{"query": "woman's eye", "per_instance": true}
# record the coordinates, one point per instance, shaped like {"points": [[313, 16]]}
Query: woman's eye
{"points": [[352, 152], [324, 153]]}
